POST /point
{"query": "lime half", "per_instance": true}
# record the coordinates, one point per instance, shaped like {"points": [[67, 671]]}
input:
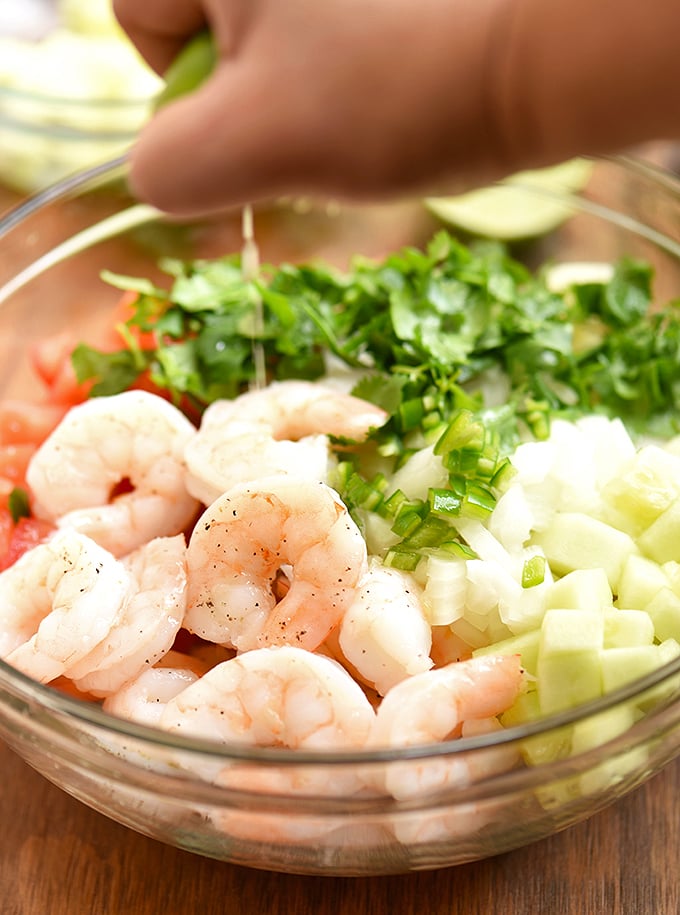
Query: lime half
{"points": [[512, 209]]}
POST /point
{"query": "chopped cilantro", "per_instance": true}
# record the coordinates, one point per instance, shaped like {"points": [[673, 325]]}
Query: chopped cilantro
{"points": [[18, 504], [426, 330]]}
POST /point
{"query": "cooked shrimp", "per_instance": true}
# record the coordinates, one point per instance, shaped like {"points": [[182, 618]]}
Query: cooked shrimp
{"points": [[274, 697], [384, 634], [251, 534], [282, 428], [145, 629], [432, 707], [144, 698], [134, 437], [460, 819], [58, 602]]}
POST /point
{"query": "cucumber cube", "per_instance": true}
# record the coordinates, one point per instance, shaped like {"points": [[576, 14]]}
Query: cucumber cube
{"points": [[525, 708], [598, 729], [568, 665], [640, 580], [627, 628], [577, 541], [623, 665], [668, 651], [645, 488], [661, 540], [672, 572], [664, 612], [583, 589], [544, 748]]}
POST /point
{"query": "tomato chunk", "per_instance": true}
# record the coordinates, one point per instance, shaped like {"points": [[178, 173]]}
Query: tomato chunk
{"points": [[14, 461], [51, 360], [27, 423], [25, 534]]}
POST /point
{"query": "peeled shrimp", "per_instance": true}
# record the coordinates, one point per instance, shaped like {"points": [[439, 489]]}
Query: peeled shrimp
{"points": [[461, 819], [252, 534], [384, 634], [144, 698], [432, 707], [282, 428], [57, 602], [274, 697], [148, 622], [134, 437]]}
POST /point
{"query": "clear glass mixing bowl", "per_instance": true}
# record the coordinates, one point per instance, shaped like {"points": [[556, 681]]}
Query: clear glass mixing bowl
{"points": [[315, 812]]}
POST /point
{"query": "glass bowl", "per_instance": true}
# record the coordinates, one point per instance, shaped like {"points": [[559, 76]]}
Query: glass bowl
{"points": [[318, 812], [69, 99]]}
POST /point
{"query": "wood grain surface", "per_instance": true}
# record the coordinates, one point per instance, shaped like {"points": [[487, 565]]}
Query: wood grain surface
{"points": [[58, 857]]}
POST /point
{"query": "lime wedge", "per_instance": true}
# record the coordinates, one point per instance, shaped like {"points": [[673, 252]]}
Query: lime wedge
{"points": [[192, 66], [512, 209]]}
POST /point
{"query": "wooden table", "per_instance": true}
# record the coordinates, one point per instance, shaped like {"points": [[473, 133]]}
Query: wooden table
{"points": [[58, 857]]}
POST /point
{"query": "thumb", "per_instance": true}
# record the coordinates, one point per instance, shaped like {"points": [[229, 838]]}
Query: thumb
{"points": [[224, 145]]}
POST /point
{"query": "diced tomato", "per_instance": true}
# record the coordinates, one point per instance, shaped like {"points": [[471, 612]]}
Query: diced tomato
{"points": [[24, 422], [26, 533], [66, 388], [6, 530], [49, 354], [14, 461], [51, 360], [6, 487]]}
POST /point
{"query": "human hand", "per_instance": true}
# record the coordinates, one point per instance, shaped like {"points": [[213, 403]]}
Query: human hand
{"points": [[380, 98], [347, 98]]}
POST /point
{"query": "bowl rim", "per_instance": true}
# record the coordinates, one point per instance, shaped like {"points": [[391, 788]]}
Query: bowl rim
{"points": [[91, 714]]}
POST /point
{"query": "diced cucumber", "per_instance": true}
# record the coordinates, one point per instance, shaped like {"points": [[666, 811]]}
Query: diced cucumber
{"points": [[525, 645], [668, 651], [661, 540], [568, 666], [577, 541], [627, 628], [623, 665], [645, 488], [598, 729], [664, 612], [672, 572], [525, 708], [543, 748], [640, 580], [582, 589]]}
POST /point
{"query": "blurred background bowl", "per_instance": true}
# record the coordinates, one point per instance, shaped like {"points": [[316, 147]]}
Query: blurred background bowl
{"points": [[73, 90]]}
